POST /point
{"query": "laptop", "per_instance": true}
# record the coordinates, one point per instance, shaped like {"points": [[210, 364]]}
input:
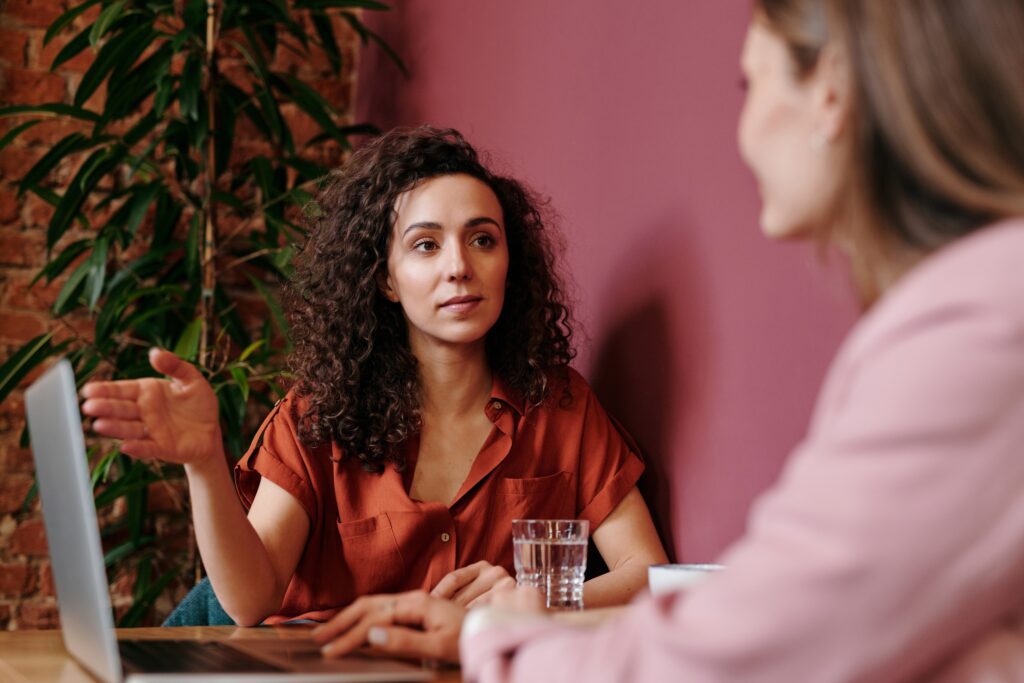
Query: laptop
{"points": [[87, 624]]}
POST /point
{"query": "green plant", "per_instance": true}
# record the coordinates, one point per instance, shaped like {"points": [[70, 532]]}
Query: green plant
{"points": [[172, 227]]}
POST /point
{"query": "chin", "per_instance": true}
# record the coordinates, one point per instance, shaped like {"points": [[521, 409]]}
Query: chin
{"points": [[777, 228]]}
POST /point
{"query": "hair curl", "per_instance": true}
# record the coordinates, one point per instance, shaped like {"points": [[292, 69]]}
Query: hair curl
{"points": [[355, 371]]}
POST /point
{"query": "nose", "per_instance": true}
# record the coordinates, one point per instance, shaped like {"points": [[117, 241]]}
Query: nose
{"points": [[459, 267]]}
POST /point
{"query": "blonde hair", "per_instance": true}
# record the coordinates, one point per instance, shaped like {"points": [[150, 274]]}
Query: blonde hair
{"points": [[938, 117]]}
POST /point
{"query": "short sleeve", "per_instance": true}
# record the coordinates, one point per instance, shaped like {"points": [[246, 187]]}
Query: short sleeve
{"points": [[277, 454], [610, 463]]}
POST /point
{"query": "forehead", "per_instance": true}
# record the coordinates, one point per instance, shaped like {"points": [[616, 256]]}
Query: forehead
{"points": [[447, 196], [763, 47]]}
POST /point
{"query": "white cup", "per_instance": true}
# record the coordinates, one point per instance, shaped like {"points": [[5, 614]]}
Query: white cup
{"points": [[665, 578]]}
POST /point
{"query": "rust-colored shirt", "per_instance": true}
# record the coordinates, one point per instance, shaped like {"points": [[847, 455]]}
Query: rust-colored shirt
{"points": [[368, 536]]}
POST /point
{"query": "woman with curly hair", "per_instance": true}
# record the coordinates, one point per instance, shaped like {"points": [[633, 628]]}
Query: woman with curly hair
{"points": [[434, 403]]}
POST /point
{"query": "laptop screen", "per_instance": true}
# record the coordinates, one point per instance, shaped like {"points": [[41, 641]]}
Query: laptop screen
{"points": [[58, 446]]}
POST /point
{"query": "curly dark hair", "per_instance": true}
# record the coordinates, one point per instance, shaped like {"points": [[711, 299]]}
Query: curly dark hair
{"points": [[356, 375]]}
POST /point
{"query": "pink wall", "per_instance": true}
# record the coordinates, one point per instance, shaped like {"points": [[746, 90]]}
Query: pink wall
{"points": [[705, 340]]}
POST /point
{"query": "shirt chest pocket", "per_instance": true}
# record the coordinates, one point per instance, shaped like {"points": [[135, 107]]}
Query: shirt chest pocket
{"points": [[549, 497], [373, 560]]}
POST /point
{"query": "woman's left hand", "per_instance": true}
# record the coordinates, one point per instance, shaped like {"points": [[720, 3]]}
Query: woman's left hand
{"points": [[412, 625], [473, 585]]}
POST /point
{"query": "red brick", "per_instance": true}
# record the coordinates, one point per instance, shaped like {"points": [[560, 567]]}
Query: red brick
{"points": [[38, 213], [29, 539], [337, 91], [13, 489], [19, 327], [96, 100], [10, 205], [14, 48], [47, 588], [167, 496], [17, 580], [13, 407], [42, 56], [33, 86], [22, 248], [14, 459], [41, 296], [38, 614], [15, 161], [53, 130], [37, 13]]}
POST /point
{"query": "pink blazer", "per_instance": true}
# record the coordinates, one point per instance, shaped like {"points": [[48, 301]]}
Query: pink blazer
{"points": [[892, 547]]}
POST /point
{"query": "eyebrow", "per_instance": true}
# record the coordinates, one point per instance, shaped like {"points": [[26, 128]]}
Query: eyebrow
{"points": [[471, 223]]}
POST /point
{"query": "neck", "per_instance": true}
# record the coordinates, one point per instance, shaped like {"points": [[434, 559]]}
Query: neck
{"points": [[455, 380]]}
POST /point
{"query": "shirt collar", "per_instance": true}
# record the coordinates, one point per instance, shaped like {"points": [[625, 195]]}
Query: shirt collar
{"points": [[501, 391]]}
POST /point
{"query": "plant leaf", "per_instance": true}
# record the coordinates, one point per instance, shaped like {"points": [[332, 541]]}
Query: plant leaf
{"points": [[64, 20], [191, 80], [71, 49], [56, 266], [24, 361], [328, 41], [97, 272], [9, 137], [238, 374], [118, 53], [51, 109], [68, 296], [367, 35], [187, 347], [69, 144], [105, 20]]}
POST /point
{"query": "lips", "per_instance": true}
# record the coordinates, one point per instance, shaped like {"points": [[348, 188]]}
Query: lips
{"points": [[461, 304]]}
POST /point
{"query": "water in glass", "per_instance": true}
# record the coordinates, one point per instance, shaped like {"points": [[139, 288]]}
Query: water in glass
{"points": [[551, 555]]}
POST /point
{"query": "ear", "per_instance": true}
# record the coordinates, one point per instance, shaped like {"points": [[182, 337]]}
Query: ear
{"points": [[384, 285], [832, 95]]}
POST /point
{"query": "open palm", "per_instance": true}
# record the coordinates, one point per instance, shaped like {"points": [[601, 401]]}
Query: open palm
{"points": [[174, 420]]}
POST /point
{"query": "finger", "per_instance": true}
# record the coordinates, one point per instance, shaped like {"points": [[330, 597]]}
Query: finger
{"points": [[399, 641], [120, 429], [455, 581], [521, 599], [469, 593], [126, 390], [411, 608], [346, 618], [504, 585], [355, 636], [108, 407], [166, 363]]}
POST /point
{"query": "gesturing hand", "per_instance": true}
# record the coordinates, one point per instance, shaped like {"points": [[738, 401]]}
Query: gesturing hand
{"points": [[174, 420], [413, 625], [473, 585]]}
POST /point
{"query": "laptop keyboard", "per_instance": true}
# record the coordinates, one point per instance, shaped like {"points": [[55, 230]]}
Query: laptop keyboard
{"points": [[184, 656]]}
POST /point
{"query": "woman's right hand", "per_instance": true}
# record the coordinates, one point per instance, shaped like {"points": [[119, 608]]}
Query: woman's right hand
{"points": [[174, 420], [473, 585]]}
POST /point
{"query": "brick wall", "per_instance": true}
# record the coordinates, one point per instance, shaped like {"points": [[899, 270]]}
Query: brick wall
{"points": [[26, 586]]}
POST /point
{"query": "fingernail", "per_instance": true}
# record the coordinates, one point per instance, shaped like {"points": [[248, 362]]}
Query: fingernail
{"points": [[326, 650], [377, 636]]}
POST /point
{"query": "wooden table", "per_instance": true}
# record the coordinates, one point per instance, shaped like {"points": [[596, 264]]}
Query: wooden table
{"points": [[39, 656]]}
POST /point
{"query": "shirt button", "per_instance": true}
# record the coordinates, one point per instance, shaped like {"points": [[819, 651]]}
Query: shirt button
{"points": [[445, 537]]}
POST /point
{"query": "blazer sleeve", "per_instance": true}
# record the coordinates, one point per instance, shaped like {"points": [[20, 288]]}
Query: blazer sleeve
{"points": [[893, 541]]}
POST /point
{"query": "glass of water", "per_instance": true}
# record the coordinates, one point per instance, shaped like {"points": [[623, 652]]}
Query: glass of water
{"points": [[551, 555]]}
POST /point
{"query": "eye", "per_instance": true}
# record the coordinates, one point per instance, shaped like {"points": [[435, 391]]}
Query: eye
{"points": [[484, 239], [424, 245]]}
